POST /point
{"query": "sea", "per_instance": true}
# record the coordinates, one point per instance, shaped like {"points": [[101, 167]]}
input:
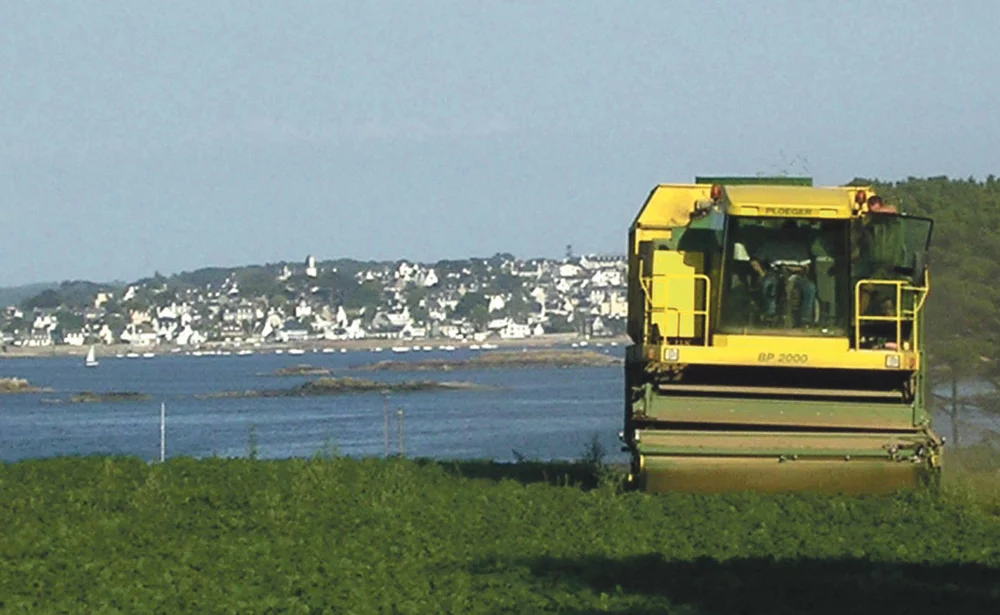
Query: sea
{"points": [[537, 413]]}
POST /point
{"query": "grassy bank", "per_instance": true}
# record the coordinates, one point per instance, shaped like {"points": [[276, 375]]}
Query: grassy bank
{"points": [[972, 475], [337, 535]]}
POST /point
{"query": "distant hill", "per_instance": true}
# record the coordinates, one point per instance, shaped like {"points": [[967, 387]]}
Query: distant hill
{"points": [[14, 295]]}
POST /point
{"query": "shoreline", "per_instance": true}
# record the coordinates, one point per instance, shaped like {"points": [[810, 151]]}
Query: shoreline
{"points": [[111, 350]]}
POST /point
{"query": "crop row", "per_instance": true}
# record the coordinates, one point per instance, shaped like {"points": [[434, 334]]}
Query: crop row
{"points": [[338, 535]]}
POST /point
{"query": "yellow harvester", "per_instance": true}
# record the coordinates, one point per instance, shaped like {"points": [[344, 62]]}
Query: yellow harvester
{"points": [[777, 340]]}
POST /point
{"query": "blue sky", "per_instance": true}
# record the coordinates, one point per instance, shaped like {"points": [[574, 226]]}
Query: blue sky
{"points": [[137, 138]]}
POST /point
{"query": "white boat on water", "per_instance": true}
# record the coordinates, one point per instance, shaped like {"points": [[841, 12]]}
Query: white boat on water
{"points": [[296, 351], [327, 350], [132, 355], [148, 355], [91, 360], [473, 346], [401, 349], [489, 346], [244, 353]]}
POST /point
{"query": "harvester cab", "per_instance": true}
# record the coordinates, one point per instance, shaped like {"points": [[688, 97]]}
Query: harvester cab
{"points": [[776, 339]]}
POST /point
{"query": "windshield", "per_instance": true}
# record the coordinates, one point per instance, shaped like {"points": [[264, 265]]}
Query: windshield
{"points": [[786, 276]]}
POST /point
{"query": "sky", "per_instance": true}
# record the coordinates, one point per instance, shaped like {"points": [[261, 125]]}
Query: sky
{"points": [[162, 137]]}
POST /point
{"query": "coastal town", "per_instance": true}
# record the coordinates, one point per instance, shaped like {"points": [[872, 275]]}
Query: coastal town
{"points": [[472, 300]]}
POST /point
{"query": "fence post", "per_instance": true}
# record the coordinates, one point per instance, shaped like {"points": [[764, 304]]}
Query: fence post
{"points": [[400, 416], [163, 431], [385, 398]]}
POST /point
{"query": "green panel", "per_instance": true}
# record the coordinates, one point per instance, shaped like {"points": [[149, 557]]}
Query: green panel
{"points": [[694, 449], [791, 445], [753, 181], [718, 410]]}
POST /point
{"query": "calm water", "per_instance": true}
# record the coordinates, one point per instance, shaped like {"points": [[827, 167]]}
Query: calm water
{"points": [[543, 413]]}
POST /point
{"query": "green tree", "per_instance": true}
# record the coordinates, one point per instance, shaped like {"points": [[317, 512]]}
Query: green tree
{"points": [[961, 315], [47, 299], [258, 282], [479, 316], [507, 283], [468, 302], [367, 294], [18, 324], [69, 321], [517, 308]]}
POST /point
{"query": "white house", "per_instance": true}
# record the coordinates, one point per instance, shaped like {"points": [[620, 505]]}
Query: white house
{"points": [[569, 270], [429, 279], [47, 322], [405, 270], [35, 339], [190, 337], [139, 334], [292, 332], [412, 331], [607, 277], [272, 323], [303, 309], [615, 305], [497, 303], [74, 338], [515, 331]]}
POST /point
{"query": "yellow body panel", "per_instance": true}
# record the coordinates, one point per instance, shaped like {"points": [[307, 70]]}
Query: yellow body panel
{"points": [[675, 292], [668, 206], [787, 352], [790, 201]]}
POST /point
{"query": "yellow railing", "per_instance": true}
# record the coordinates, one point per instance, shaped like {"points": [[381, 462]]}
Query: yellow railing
{"points": [[901, 314], [646, 282]]}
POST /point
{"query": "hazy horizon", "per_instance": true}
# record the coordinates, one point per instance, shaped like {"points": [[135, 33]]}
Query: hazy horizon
{"points": [[168, 138]]}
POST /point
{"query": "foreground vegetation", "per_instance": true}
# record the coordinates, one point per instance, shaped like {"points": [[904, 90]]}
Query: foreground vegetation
{"points": [[338, 535]]}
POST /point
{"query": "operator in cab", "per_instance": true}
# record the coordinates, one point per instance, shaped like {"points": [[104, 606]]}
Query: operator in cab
{"points": [[877, 249], [785, 257]]}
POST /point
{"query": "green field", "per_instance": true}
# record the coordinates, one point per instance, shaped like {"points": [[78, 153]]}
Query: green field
{"points": [[337, 535]]}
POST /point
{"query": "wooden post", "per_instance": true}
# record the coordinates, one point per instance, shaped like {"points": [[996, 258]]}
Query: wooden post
{"points": [[386, 400], [400, 416], [163, 431]]}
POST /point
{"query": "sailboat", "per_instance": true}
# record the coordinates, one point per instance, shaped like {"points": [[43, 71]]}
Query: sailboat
{"points": [[91, 360]]}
